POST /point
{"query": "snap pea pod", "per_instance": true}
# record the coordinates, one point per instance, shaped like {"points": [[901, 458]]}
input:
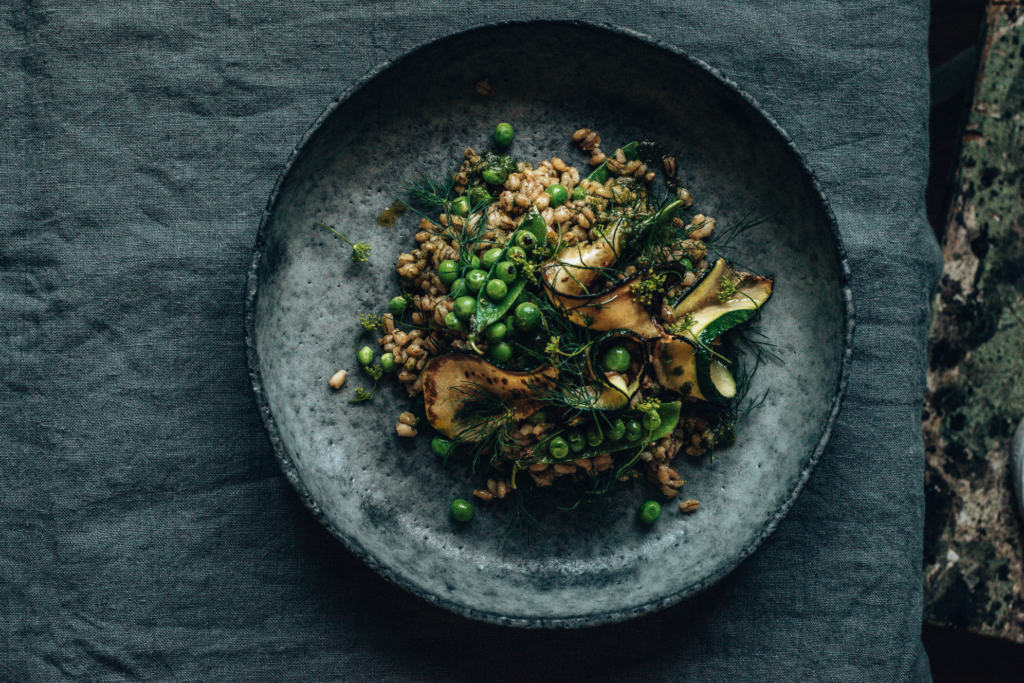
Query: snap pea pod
{"points": [[667, 213], [600, 174], [488, 311], [534, 223], [668, 412]]}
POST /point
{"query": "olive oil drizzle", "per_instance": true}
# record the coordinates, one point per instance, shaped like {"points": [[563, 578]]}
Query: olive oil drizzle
{"points": [[389, 216]]}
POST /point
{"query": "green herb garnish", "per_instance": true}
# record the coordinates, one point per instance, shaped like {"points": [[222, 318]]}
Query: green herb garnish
{"points": [[360, 250], [374, 371]]}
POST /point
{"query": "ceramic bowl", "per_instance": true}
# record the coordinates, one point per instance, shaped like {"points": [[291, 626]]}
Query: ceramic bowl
{"points": [[386, 498]]}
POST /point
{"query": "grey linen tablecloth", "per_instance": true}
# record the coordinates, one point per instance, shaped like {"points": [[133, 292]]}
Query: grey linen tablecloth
{"points": [[146, 531]]}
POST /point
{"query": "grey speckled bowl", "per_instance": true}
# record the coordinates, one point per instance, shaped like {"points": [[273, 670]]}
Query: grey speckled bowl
{"points": [[387, 498]]}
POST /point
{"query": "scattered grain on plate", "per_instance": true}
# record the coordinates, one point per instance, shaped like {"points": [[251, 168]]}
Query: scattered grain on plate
{"points": [[484, 87], [338, 379]]}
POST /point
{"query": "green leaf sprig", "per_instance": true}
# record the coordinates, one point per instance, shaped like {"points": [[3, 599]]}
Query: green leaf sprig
{"points": [[360, 250], [374, 371], [680, 326]]}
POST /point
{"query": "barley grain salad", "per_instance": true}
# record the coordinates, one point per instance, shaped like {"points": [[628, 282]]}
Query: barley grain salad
{"points": [[557, 331]]}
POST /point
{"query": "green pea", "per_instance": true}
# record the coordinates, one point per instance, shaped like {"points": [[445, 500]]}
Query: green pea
{"points": [[616, 359], [459, 288], [501, 352], [503, 135], [491, 257], [475, 280], [441, 446], [462, 510], [687, 263], [496, 289], [634, 430], [460, 207], [559, 194], [510, 323], [474, 263], [452, 322], [494, 176], [528, 316], [539, 417], [387, 362], [576, 441], [365, 356], [652, 420], [507, 163], [525, 240], [506, 272], [448, 271], [578, 193], [478, 196], [496, 332], [558, 447], [594, 435], [649, 512], [465, 307], [515, 253], [617, 430], [397, 306]]}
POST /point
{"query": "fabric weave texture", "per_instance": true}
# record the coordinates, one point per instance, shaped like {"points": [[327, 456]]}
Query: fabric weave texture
{"points": [[146, 531]]}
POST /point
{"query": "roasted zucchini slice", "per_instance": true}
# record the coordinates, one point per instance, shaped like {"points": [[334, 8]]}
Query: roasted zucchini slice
{"points": [[618, 387], [450, 379], [720, 300], [620, 307]]}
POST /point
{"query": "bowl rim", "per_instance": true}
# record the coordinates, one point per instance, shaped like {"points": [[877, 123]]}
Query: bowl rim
{"points": [[351, 543]]}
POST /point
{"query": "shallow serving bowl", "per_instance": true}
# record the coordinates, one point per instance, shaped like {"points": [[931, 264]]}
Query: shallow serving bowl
{"points": [[387, 498]]}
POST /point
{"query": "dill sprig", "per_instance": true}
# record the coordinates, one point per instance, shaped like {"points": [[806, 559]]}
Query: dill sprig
{"points": [[374, 371], [369, 322], [649, 243], [429, 192], [680, 326], [726, 290], [748, 337], [573, 391], [486, 424], [527, 269], [519, 516], [649, 287], [467, 237], [573, 398], [360, 250], [648, 405], [602, 483], [723, 241]]}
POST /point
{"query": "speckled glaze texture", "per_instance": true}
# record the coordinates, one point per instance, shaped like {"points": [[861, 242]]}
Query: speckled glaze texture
{"points": [[387, 498]]}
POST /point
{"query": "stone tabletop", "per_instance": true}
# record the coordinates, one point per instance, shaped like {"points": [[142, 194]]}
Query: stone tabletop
{"points": [[974, 537]]}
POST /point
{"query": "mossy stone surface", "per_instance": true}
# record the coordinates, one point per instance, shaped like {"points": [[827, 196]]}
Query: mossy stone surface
{"points": [[974, 557]]}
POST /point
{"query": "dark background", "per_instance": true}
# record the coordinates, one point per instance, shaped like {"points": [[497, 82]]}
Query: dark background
{"points": [[957, 656]]}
